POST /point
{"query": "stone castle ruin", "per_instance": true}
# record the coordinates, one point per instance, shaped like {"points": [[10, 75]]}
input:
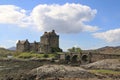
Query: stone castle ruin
{"points": [[49, 43]]}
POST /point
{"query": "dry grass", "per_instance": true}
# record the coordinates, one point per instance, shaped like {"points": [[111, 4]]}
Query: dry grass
{"points": [[78, 79], [102, 71]]}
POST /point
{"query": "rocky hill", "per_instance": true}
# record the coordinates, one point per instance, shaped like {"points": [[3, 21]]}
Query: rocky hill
{"points": [[12, 48], [109, 50], [106, 50], [19, 69], [50, 71], [4, 52]]}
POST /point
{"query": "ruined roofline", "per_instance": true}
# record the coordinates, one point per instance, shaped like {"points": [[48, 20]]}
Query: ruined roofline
{"points": [[47, 41], [23, 41], [49, 33], [35, 43]]}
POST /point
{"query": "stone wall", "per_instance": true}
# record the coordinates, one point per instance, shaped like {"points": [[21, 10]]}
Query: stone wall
{"points": [[85, 58], [48, 42], [23, 46], [96, 56], [34, 46]]}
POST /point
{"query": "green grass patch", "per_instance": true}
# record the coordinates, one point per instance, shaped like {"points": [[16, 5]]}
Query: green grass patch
{"points": [[102, 71], [27, 55]]}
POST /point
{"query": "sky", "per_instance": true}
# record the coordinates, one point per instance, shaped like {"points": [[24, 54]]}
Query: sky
{"points": [[88, 24]]}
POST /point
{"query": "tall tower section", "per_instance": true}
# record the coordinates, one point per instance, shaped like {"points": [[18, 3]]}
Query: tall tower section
{"points": [[54, 39], [49, 42]]}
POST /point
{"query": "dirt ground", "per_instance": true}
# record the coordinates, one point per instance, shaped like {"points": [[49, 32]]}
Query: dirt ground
{"points": [[19, 69]]}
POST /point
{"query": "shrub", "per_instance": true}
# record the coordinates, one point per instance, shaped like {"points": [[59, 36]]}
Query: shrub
{"points": [[45, 55], [16, 54], [56, 50]]}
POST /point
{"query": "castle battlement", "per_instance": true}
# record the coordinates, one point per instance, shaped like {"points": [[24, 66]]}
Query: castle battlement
{"points": [[49, 42]]}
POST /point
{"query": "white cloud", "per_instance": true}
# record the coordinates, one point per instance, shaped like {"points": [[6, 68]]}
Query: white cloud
{"points": [[109, 36], [67, 18], [10, 14]]}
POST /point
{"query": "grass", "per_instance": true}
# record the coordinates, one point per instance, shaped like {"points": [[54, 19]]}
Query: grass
{"points": [[27, 55], [102, 71]]}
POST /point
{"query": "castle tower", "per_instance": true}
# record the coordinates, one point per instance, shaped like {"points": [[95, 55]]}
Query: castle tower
{"points": [[49, 40], [49, 43]]}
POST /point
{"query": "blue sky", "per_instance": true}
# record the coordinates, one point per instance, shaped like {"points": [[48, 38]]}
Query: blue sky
{"points": [[88, 24]]}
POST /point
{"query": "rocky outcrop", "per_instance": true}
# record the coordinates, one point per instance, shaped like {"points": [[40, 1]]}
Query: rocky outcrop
{"points": [[112, 64], [59, 71]]}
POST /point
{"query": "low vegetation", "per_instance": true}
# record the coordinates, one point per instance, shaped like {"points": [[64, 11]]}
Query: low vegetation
{"points": [[25, 62], [4, 52], [75, 49], [103, 71], [27, 55]]}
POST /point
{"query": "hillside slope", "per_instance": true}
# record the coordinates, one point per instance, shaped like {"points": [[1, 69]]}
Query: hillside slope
{"points": [[12, 48], [105, 50], [4, 52], [109, 50]]}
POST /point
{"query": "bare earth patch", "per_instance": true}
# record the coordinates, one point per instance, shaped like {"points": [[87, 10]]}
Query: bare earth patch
{"points": [[43, 70]]}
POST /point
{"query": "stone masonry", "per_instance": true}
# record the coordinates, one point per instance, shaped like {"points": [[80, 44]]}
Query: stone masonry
{"points": [[49, 42]]}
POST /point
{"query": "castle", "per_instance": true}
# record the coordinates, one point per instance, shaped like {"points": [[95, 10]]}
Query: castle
{"points": [[49, 43]]}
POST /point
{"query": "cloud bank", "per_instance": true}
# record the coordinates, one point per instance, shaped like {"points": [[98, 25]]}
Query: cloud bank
{"points": [[109, 36], [10, 14], [67, 18]]}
